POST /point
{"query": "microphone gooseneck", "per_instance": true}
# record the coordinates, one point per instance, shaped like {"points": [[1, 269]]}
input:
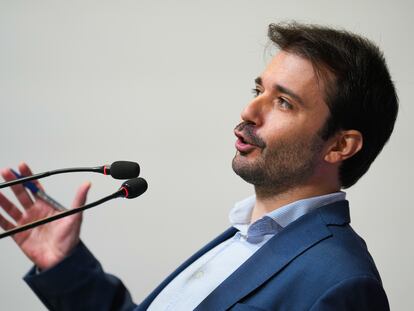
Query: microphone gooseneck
{"points": [[129, 189], [118, 170]]}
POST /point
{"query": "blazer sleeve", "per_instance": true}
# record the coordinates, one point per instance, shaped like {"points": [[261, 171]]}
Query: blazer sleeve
{"points": [[363, 293], [79, 283]]}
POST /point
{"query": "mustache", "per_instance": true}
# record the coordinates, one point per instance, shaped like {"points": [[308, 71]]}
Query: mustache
{"points": [[247, 130]]}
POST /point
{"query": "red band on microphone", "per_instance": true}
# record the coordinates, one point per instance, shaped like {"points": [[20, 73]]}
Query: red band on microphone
{"points": [[126, 191]]}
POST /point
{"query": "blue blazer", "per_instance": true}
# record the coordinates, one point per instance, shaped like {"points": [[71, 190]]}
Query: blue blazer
{"points": [[316, 263]]}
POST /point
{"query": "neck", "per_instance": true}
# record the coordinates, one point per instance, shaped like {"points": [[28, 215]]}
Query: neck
{"points": [[267, 200]]}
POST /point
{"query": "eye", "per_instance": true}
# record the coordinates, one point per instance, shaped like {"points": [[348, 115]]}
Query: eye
{"points": [[284, 104], [256, 92]]}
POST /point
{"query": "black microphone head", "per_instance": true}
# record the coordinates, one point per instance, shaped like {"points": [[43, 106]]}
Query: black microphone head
{"points": [[124, 170], [134, 187]]}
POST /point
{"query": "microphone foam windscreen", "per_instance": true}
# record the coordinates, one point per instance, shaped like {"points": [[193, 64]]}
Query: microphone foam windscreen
{"points": [[136, 187], [124, 170]]}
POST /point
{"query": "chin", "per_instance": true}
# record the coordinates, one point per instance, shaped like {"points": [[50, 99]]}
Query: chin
{"points": [[243, 166]]}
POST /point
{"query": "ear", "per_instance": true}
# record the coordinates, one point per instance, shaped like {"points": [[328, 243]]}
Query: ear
{"points": [[344, 145]]}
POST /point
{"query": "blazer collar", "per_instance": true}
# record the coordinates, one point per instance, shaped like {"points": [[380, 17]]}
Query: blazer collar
{"points": [[278, 252]]}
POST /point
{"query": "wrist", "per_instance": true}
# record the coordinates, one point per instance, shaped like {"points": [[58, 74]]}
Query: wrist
{"points": [[52, 259]]}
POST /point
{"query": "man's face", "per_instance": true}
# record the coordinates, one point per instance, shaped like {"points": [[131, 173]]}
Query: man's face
{"points": [[278, 144]]}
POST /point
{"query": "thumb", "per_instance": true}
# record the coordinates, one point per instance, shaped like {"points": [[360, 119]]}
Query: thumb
{"points": [[81, 194]]}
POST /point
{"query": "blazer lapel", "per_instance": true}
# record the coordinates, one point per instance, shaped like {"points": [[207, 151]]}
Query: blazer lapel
{"points": [[274, 255], [221, 238]]}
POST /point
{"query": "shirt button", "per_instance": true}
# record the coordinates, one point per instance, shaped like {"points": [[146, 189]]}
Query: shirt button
{"points": [[199, 274]]}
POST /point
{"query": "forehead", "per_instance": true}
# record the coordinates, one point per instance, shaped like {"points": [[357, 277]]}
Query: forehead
{"points": [[295, 73]]}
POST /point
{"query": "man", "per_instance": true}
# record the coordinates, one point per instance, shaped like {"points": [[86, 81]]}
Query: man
{"points": [[323, 109]]}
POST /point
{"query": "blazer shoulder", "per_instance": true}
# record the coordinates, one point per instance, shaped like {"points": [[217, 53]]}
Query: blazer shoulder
{"points": [[355, 293], [348, 250]]}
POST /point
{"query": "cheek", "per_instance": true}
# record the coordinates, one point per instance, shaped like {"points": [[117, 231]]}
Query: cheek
{"points": [[289, 126], [282, 126]]}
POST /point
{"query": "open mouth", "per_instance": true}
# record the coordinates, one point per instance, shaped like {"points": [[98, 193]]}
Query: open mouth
{"points": [[242, 140], [243, 144]]}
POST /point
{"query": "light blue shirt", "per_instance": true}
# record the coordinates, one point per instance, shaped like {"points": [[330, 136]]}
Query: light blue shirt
{"points": [[197, 281]]}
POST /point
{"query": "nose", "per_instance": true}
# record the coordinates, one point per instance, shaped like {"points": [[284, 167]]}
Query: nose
{"points": [[253, 112]]}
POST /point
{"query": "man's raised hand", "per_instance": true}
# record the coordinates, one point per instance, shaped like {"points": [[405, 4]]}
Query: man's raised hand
{"points": [[48, 244]]}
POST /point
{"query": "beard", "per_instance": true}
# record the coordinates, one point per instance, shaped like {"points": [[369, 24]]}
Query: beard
{"points": [[283, 165]]}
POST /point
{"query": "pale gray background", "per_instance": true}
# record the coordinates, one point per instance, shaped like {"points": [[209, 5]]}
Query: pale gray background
{"points": [[163, 83]]}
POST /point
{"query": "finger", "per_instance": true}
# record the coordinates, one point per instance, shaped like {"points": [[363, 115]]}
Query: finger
{"points": [[82, 193], [18, 190], [26, 171], [5, 224], [10, 208]]}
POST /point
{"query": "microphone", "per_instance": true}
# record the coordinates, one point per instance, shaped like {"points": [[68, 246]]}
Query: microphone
{"points": [[133, 188], [121, 170], [130, 189], [118, 170]]}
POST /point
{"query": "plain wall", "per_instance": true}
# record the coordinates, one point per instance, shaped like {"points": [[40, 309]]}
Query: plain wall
{"points": [[83, 83]]}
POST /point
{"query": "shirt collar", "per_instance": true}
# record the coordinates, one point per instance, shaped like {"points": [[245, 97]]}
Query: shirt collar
{"points": [[276, 220]]}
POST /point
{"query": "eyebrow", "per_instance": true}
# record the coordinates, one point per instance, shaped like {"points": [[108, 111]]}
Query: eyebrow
{"points": [[282, 89]]}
